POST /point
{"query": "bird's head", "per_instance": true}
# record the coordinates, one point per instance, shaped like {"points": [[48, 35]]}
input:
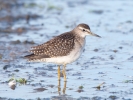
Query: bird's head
{"points": [[84, 29]]}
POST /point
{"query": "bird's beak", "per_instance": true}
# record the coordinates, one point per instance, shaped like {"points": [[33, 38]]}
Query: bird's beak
{"points": [[93, 34]]}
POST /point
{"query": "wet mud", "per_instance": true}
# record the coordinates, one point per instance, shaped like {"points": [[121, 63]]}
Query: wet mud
{"points": [[104, 70]]}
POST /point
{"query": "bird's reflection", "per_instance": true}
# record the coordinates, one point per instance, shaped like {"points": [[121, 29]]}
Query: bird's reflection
{"points": [[59, 87]]}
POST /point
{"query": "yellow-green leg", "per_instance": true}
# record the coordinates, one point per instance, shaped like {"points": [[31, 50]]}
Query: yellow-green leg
{"points": [[59, 89], [64, 72], [58, 73], [64, 89]]}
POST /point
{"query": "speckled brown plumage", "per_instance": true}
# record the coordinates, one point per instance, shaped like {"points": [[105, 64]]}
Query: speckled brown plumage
{"points": [[58, 46], [68, 45], [63, 49]]}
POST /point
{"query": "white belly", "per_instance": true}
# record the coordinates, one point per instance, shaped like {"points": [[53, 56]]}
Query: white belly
{"points": [[74, 55]]}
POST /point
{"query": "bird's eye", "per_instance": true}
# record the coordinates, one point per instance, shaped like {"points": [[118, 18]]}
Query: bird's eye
{"points": [[83, 30]]}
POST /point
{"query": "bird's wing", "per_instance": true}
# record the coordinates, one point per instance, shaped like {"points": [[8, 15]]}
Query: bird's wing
{"points": [[58, 46]]}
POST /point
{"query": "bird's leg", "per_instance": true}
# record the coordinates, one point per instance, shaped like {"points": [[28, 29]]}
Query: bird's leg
{"points": [[64, 72], [59, 89], [64, 89], [59, 73]]}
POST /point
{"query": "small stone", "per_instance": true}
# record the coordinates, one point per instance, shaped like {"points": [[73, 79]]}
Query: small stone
{"points": [[12, 84]]}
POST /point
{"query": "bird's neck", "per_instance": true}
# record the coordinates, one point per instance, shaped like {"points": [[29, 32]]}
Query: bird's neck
{"points": [[78, 33], [79, 38]]}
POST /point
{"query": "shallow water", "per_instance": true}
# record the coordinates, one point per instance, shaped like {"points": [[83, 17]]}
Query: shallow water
{"points": [[107, 59]]}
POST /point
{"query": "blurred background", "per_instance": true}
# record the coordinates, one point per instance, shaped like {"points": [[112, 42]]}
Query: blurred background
{"points": [[26, 23]]}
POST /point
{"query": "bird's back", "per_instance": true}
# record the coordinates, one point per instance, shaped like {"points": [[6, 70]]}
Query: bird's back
{"points": [[59, 46]]}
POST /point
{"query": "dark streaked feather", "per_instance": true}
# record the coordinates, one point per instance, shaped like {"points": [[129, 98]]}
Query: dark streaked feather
{"points": [[61, 45], [84, 26], [33, 56]]}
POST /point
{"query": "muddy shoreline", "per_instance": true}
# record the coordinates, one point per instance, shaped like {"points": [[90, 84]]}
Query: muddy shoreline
{"points": [[107, 60]]}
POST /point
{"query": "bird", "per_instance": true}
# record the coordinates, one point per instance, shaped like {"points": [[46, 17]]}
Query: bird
{"points": [[62, 49]]}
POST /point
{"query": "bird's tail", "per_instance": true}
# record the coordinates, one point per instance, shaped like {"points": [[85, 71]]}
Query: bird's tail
{"points": [[31, 57]]}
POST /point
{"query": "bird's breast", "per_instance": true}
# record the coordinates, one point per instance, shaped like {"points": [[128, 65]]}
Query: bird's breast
{"points": [[69, 58]]}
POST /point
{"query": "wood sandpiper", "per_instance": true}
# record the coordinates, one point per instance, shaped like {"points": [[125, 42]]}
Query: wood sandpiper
{"points": [[63, 49]]}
